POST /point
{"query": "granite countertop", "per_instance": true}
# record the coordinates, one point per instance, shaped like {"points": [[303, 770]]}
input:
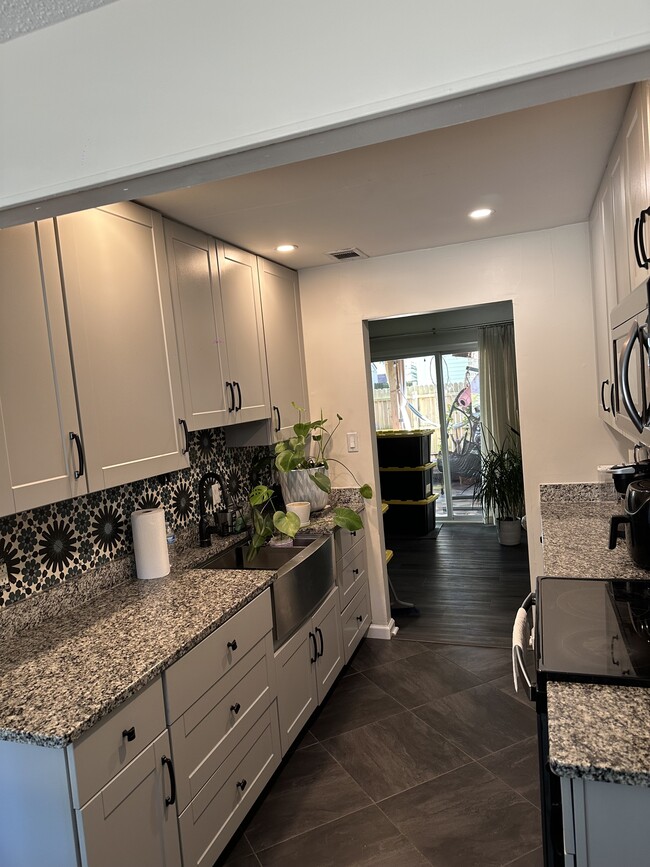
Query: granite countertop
{"points": [[596, 731], [63, 670]]}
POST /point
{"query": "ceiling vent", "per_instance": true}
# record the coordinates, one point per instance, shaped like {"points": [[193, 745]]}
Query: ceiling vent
{"points": [[348, 253]]}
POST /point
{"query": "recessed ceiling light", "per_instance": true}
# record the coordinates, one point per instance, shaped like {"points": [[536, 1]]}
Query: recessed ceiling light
{"points": [[286, 248], [481, 213]]}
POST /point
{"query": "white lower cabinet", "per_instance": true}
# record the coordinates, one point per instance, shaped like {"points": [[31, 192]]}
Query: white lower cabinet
{"points": [[306, 666], [132, 820], [605, 823], [352, 580]]}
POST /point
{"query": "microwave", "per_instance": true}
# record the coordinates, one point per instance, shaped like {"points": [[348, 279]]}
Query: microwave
{"points": [[630, 344]]}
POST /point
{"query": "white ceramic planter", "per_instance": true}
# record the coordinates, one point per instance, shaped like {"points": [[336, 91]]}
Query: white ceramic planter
{"points": [[297, 486]]}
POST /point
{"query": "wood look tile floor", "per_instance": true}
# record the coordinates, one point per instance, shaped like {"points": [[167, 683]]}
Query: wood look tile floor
{"points": [[420, 756]]}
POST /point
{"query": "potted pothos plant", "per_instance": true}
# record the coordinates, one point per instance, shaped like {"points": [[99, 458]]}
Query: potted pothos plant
{"points": [[500, 489], [290, 456]]}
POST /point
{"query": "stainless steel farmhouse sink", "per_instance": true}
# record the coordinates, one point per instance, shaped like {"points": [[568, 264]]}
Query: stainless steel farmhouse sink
{"points": [[305, 575]]}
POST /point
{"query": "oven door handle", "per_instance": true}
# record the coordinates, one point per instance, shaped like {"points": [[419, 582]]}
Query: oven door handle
{"points": [[518, 660]]}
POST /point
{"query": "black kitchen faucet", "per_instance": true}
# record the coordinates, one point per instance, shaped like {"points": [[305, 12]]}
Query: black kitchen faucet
{"points": [[205, 529]]}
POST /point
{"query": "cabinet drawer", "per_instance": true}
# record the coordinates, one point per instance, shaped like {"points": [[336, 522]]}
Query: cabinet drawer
{"points": [[352, 573], [356, 620], [209, 730], [212, 817], [345, 540], [189, 678], [106, 749]]}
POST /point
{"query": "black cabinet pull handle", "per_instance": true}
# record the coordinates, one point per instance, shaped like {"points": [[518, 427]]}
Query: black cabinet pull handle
{"points": [[645, 262], [241, 784], [635, 236], [238, 407], [322, 642], [172, 781], [76, 439], [353, 533], [235, 708], [183, 424], [129, 734], [232, 645], [602, 395], [355, 571], [360, 618], [231, 394], [312, 638], [276, 410]]}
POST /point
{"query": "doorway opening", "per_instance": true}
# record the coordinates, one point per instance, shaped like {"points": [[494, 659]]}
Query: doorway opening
{"points": [[450, 579], [439, 393]]}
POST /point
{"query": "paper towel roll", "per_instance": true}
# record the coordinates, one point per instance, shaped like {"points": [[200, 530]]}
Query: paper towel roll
{"points": [[150, 543]]}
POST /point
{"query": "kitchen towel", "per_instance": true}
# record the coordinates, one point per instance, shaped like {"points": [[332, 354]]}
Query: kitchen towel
{"points": [[520, 638], [150, 543]]}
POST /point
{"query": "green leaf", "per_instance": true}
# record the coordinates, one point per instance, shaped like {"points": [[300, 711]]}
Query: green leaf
{"points": [[296, 407], [346, 518], [339, 417], [260, 494], [284, 461], [366, 492], [322, 481], [288, 523], [281, 447], [302, 429]]}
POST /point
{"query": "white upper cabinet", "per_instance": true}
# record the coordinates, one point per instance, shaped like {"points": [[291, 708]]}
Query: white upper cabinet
{"points": [[200, 329], [39, 462], [284, 352], [123, 343], [242, 313], [601, 309], [637, 165]]}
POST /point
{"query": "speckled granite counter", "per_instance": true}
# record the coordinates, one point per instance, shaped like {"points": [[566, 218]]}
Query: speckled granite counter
{"points": [[596, 731], [70, 656]]}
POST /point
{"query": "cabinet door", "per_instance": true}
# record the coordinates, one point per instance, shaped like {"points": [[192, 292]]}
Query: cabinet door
{"points": [[129, 821], [284, 351], [621, 230], [240, 295], [637, 159], [37, 401], [200, 330], [297, 693], [601, 313], [123, 343], [327, 628]]}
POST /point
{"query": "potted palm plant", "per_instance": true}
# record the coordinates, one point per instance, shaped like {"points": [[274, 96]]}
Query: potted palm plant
{"points": [[500, 490], [310, 472]]}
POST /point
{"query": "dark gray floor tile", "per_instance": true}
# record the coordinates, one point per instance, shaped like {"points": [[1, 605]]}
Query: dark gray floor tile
{"points": [[486, 663], [376, 651], [480, 721], [505, 684], [518, 767], [421, 678], [238, 855], [466, 817], [354, 702], [532, 859], [364, 839], [311, 790], [306, 740], [394, 754]]}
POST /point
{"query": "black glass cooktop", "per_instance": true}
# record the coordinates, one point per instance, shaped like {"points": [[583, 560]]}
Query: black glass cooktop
{"points": [[597, 630]]}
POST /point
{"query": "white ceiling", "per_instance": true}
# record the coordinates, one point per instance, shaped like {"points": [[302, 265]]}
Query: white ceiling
{"points": [[18, 17], [538, 167]]}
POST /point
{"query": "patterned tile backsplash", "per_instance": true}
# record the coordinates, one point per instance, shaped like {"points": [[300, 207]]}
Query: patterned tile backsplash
{"points": [[46, 546]]}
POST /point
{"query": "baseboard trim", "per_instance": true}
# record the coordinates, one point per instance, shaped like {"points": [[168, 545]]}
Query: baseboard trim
{"points": [[386, 632]]}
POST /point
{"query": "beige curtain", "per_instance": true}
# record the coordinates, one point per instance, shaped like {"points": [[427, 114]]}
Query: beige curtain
{"points": [[498, 384]]}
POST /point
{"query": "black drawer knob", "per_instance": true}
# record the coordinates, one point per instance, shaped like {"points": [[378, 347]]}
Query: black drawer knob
{"points": [[235, 708], [242, 784], [232, 645], [360, 618], [129, 734], [355, 571]]}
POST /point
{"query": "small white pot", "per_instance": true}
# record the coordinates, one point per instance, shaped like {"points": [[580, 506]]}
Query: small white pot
{"points": [[509, 532]]}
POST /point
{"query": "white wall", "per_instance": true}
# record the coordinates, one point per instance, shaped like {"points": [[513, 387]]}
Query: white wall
{"points": [[141, 85], [546, 275]]}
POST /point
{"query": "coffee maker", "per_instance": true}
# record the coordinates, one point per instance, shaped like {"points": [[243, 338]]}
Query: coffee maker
{"points": [[632, 481]]}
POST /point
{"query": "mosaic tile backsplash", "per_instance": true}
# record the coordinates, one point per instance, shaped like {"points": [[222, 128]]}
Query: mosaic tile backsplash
{"points": [[46, 546]]}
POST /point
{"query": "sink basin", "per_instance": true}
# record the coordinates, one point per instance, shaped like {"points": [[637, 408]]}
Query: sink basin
{"points": [[305, 575], [267, 557]]}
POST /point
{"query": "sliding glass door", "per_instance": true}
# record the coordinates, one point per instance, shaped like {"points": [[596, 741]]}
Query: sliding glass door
{"points": [[438, 393]]}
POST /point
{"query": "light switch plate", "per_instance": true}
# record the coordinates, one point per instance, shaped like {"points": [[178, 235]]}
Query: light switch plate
{"points": [[353, 441]]}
